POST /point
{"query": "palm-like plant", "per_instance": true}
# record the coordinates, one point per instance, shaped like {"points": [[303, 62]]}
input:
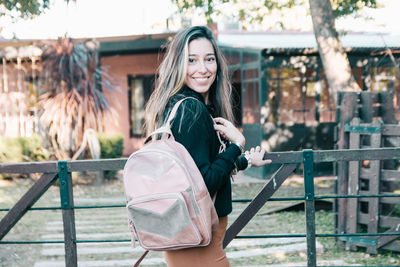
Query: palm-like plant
{"points": [[73, 99]]}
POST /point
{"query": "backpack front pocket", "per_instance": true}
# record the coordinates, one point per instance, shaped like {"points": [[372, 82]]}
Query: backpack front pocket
{"points": [[163, 222]]}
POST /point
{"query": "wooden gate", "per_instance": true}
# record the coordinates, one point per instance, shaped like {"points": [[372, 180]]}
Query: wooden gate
{"points": [[362, 118]]}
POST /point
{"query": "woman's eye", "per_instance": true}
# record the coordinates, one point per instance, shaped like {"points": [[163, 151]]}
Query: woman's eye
{"points": [[191, 60], [210, 59]]}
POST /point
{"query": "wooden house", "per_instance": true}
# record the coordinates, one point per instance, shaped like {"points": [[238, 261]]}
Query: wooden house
{"points": [[285, 100], [281, 98]]}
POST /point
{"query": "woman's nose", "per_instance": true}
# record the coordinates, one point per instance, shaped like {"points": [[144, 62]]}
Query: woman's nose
{"points": [[202, 66]]}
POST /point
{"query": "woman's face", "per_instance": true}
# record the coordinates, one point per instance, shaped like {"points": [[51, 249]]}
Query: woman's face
{"points": [[201, 66]]}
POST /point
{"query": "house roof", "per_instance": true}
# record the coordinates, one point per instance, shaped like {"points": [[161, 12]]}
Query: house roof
{"points": [[133, 43], [107, 45], [268, 42], [302, 40]]}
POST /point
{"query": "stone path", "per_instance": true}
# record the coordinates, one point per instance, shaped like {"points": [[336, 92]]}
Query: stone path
{"points": [[111, 223]]}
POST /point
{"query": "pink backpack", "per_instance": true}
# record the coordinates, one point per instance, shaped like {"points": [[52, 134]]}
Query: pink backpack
{"points": [[168, 204]]}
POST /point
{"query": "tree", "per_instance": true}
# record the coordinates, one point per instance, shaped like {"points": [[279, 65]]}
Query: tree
{"points": [[255, 11], [334, 59], [244, 11], [23, 8], [73, 100]]}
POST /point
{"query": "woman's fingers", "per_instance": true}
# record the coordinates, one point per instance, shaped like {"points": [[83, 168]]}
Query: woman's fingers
{"points": [[257, 156], [219, 128], [228, 131], [224, 122], [266, 161], [221, 120]]}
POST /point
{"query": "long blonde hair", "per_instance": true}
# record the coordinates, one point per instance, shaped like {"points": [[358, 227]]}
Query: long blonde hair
{"points": [[172, 73]]}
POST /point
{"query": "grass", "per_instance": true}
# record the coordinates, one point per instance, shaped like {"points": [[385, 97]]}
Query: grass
{"points": [[31, 226]]}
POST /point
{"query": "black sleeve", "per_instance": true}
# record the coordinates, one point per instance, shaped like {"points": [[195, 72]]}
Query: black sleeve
{"points": [[195, 131], [241, 163]]}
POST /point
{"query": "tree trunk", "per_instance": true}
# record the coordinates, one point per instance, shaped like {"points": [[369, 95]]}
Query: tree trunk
{"points": [[334, 59]]}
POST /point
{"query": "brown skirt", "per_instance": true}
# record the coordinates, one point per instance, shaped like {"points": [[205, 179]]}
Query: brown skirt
{"points": [[212, 255]]}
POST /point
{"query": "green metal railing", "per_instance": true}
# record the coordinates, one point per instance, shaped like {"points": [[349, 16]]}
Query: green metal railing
{"points": [[62, 170]]}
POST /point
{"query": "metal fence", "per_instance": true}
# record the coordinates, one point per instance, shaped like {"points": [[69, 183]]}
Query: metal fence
{"points": [[61, 171]]}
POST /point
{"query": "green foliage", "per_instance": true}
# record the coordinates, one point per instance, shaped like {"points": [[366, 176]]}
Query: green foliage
{"points": [[242, 9], [396, 211], [112, 146], [343, 8], [22, 8], [22, 149], [10, 150], [32, 147], [255, 11]]}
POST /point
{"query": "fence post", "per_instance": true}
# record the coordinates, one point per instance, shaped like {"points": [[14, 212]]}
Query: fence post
{"points": [[308, 161], [67, 204]]}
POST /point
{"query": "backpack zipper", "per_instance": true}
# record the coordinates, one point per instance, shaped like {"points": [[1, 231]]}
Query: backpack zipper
{"points": [[154, 197]]}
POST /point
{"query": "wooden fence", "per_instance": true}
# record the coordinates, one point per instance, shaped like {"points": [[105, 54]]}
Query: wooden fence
{"points": [[365, 106], [62, 170], [372, 178]]}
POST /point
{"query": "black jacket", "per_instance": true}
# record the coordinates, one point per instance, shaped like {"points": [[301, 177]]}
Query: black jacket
{"points": [[193, 128]]}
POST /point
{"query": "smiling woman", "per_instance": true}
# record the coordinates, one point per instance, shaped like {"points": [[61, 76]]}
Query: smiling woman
{"points": [[194, 68]]}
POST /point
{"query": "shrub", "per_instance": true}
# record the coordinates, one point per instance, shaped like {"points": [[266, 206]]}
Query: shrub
{"points": [[111, 146], [10, 150], [20, 149], [32, 148]]}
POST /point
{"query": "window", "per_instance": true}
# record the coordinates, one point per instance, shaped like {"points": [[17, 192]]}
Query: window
{"points": [[250, 93], [232, 56], [383, 79], [297, 95], [326, 106], [236, 96], [249, 57], [140, 88]]}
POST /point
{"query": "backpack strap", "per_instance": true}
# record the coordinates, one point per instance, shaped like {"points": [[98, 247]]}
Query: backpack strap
{"points": [[165, 130], [173, 113], [222, 147], [174, 110], [140, 259]]}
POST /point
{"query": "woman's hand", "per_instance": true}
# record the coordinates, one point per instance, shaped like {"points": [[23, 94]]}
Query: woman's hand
{"points": [[227, 130], [256, 156]]}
